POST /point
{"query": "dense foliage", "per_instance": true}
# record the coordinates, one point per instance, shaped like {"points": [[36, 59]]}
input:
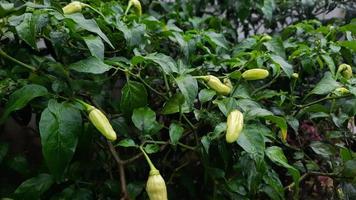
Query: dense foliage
{"points": [[144, 72]]}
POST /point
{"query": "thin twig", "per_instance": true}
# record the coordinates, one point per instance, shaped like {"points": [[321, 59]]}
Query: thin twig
{"points": [[5, 55], [265, 85], [335, 175], [120, 164]]}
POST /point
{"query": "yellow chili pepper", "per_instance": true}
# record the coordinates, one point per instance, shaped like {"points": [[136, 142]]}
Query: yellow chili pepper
{"points": [[234, 126]]}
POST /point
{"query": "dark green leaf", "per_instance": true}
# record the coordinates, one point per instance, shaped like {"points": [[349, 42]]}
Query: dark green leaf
{"points": [[133, 95], [95, 45], [322, 149], [252, 141], [287, 68], [329, 61], [21, 97], [126, 143], [60, 125], [217, 39], [277, 156], [326, 85], [350, 168], [89, 25], [167, 64], [349, 44], [145, 120], [276, 46], [135, 189], [26, 30], [206, 95], [34, 187], [4, 147], [151, 148], [175, 132], [90, 65], [175, 104], [19, 164], [189, 88]]}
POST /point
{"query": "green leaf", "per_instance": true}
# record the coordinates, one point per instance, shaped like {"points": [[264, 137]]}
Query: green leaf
{"points": [[91, 65], [349, 168], [226, 105], [175, 104], [206, 143], [5, 8], [252, 141], [89, 25], [120, 125], [95, 46], [175, 132], [272, 180], [135, 189], [322, 149], [326, 85], [206, 95], [34, 187], [27, 30], [189, 88], [349, 27], [19, 164], [151, 148], [287, 68], [21, 97], [345, 154], [348, 44], [276, 46], [329, 61], [133, 95], [167, 63], [4, 148], [217, 39], [276, 155], [281, 123], [145, 120], [72, 192], [126, 143], [59, 126], [257, 112], [133, 35]]}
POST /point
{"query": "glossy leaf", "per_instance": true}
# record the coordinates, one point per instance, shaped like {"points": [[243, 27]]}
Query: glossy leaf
{"points": [[60, 125], [133, 95], [34, 187], [91, 65], [21, 97], [145, 120], [189, 87], [175, 133]]}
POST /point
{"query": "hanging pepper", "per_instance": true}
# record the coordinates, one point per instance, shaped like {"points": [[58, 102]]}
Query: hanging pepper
{"points": [[100, 121], [155, 186], [235, 122]]}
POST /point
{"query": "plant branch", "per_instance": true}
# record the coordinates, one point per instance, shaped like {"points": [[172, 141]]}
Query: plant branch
{"points": [[304, 176], [266, 85], [301, 107], [5, 55], [120, 164]]}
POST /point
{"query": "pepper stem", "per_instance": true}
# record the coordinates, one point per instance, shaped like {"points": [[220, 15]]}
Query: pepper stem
{"points": [[128, 7], [205, 78], [152, 167], [86, 106]]}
